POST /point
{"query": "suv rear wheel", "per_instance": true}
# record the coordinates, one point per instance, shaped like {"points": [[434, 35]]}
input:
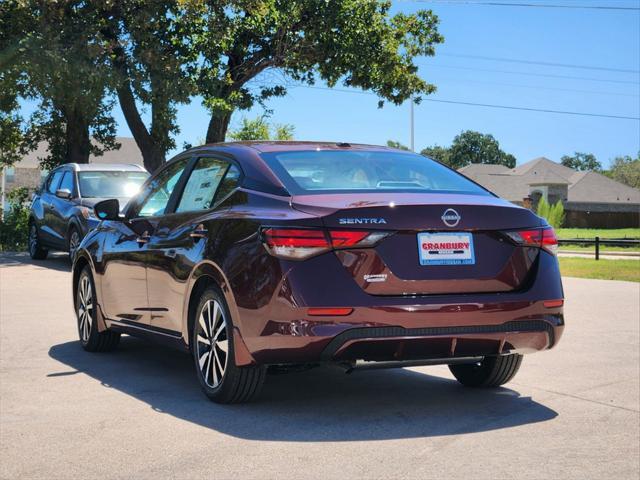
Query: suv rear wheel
{"points": [[490, 372], [73, 242], [213, 353], [36, 250]]}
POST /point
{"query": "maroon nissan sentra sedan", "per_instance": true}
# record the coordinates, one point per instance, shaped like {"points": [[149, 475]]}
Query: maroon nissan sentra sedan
{"points": [[258, 254]]}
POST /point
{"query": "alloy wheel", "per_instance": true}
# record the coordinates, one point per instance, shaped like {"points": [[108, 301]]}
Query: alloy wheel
{"points": [[85, 308], [33, 239], [74, 241], [212, 343]]}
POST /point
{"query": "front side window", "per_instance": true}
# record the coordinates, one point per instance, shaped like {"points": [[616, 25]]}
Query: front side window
{"points": [[327, 171], [201, 187], [54, 181], [158, 191], [95, 184], [67, 182]]}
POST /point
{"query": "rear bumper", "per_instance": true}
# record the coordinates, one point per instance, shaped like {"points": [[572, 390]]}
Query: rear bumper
{"points": [[399, 328]]}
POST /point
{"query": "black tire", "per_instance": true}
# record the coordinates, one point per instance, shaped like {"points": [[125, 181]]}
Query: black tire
{"points": [[220, 379], [490, 373], [73, 240], [90, 338], [36, 250]]}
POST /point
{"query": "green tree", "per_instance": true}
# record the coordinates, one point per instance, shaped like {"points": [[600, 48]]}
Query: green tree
{"points": [[441, 154], [626, 170], [150, 48], [356, 43], [471, 147], [61, 60], [583, 162], [260, 129], [13, 83], [396, 144], [474, 147]]}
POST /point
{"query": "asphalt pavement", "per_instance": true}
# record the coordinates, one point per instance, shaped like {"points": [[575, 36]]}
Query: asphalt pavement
{"points": [[570, 413]]}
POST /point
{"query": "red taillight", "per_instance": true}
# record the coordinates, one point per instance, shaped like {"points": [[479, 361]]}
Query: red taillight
{"points": [[553, 303], [288, 237], [301, 243], [539, 237]]}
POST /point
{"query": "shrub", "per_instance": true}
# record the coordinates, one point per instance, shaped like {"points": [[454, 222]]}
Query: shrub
{"points": [[553, 214], [14, 228]]}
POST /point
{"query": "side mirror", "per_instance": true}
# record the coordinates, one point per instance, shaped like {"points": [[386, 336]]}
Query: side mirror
{"points": [[63, 193], [108, 209]]}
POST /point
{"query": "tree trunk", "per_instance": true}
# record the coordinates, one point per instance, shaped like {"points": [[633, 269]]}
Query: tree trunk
{"points": [[152, 156], [78, 143], [218, 125]]}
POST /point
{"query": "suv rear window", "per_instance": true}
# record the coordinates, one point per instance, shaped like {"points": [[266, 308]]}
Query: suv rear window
{"points": [[330, 171]]}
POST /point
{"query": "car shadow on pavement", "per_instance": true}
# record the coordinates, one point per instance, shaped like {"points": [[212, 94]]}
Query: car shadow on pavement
{"points": [[322, 404], [56, 261]]}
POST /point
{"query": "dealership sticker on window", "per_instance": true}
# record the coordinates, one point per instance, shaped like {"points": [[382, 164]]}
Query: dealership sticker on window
{"points": [[446, 248]]}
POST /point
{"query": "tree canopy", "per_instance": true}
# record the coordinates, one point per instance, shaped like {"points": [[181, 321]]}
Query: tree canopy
{"points": [[396, 144], [52, 52], [471, 147], [74, 58], [583, 162], [355, 43], [626, 170], [260, 129]]}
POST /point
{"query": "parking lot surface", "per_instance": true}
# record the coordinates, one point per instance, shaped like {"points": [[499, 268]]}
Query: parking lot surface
{"points": [[572, 412]]}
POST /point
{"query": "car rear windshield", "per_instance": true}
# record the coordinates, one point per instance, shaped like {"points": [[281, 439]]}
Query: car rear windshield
{"points": [[110, 184], [330, 171]]}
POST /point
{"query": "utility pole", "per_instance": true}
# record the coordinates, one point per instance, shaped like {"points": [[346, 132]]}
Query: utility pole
{"points": [[413, 149]]}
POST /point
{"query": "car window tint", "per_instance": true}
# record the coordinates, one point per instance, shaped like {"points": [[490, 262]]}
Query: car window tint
{"points": [[325, 171], [67, 182], [159, 189], [202, 184], [229, 183], [54, 181]]}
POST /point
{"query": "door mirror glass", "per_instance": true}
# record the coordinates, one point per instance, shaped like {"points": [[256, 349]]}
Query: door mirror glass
{"points": [[108, 209], [63, 193]]}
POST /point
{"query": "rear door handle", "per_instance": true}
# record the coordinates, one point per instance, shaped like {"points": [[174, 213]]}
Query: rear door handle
{"points": [[199, 232]]}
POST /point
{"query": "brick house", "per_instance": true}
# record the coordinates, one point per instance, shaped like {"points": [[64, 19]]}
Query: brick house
{"points": [[590, 199]]}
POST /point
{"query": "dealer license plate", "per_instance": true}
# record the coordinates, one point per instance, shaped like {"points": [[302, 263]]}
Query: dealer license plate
{"points": [[446, 248]]}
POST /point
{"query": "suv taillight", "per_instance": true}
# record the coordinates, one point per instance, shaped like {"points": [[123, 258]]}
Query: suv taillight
{"points": [[301, 243], [539, 237]]}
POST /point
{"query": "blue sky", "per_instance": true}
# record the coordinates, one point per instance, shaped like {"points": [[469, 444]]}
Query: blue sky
{"points": [[600, 38]]}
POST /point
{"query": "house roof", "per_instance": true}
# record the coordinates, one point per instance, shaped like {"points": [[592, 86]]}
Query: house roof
{"points": [[127, 153], [591, 185], [517, 183]]}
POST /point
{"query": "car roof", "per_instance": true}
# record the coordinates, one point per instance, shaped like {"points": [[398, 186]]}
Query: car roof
{"points": [[106, 167], [296, 145]]}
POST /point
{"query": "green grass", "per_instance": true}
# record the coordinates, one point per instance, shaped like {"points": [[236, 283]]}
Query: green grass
{"points": [[592, 249], [630, 233], [628, 270]]}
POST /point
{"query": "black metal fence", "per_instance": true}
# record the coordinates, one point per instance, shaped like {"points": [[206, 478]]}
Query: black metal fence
{"points": [[598, 242]]}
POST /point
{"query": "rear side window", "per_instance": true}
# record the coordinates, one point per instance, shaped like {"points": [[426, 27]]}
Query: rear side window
{"points": [[54, 181], [202, 185], [230, 182], [325, 171]]}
